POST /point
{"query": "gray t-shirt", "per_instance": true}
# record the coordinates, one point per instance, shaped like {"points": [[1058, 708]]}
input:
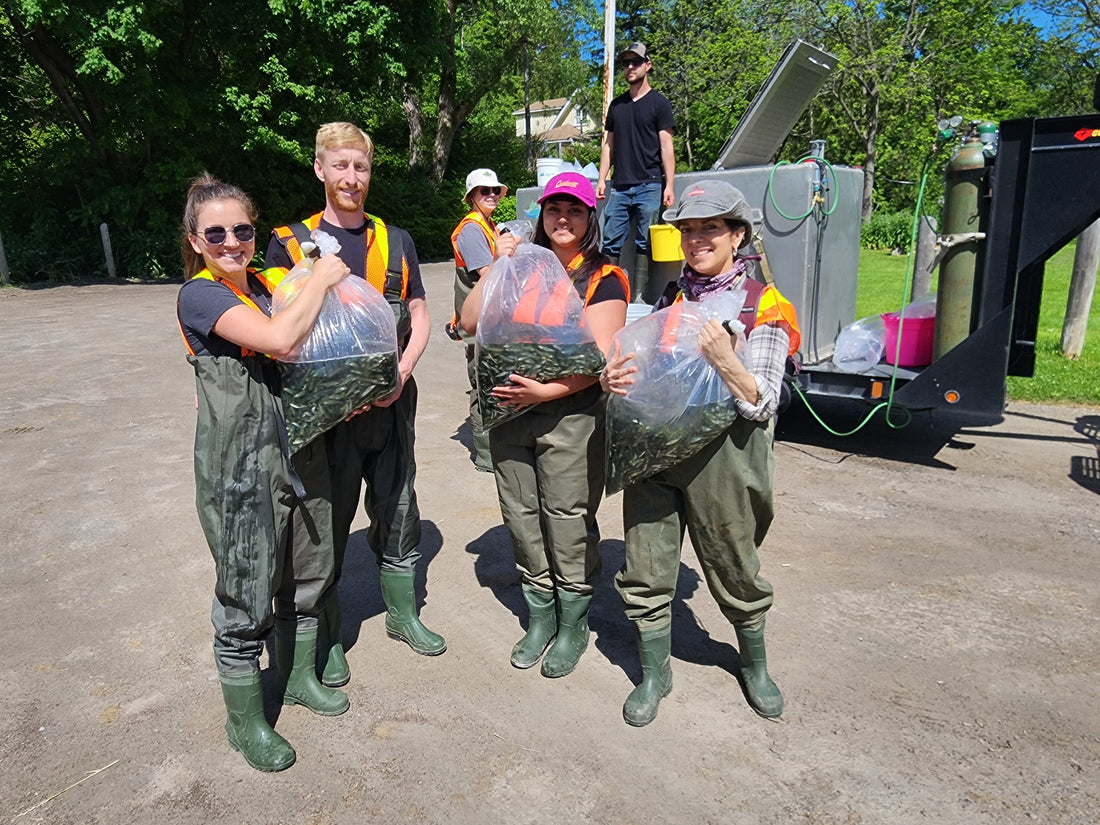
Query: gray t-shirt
{"points": [[473, 246]]}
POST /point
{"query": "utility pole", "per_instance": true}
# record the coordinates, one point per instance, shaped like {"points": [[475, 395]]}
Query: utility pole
{"points": [[527, 102], [608, 55]]}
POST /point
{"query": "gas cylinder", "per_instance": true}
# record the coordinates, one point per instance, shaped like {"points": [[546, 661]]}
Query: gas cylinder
{"points": [[964, 213]]}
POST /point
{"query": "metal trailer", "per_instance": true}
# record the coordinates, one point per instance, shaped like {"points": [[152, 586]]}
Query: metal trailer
{"points": [[1044, 190], [1040, 190]]}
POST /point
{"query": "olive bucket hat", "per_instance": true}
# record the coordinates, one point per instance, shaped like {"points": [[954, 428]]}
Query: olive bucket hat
{"points": [[712, 199]]}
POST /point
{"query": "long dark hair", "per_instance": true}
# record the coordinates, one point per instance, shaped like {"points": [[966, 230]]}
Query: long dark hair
{"points": [[203, 189], [593, 259]]}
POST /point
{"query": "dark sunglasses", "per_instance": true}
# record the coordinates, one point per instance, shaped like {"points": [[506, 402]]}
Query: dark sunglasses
{"points": [[632, 62], [243, 232], [486, 191]]}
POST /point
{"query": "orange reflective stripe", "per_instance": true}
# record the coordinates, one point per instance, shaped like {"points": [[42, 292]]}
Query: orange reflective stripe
{"points": [[183, 335], [599, 275], [551, 312], [528, 302], [773, 308], [290, 240], [486, 226], [206, 275], [293, 248], [672, 325]]}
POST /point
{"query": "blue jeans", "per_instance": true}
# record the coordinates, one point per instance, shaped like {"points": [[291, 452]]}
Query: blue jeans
{"points": [[640, 204]]}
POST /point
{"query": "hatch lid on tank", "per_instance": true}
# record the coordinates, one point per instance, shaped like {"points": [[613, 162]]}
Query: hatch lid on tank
{"points": [[792, 84]]}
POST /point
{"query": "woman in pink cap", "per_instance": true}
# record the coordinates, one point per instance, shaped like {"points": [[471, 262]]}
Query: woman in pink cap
{"points": [[549, 462]]}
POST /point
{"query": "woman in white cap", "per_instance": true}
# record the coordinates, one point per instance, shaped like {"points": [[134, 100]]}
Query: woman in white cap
{"points": [[549, 462], [474, 243], [722, 495]]}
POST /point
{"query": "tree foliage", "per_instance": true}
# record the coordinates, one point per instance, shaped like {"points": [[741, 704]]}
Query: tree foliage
{"points": [[109, 107]]}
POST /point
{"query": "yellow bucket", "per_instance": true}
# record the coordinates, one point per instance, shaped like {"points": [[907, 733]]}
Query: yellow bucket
{"points": [[664, 242]]}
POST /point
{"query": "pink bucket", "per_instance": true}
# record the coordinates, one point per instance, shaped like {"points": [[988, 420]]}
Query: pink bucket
{"points": [[916, 340]]}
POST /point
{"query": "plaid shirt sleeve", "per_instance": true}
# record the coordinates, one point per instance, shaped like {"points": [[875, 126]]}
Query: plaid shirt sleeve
{"points": [[767, 345]]}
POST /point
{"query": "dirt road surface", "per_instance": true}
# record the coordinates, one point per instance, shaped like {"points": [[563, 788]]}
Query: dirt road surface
{"points": [[935, 631]]}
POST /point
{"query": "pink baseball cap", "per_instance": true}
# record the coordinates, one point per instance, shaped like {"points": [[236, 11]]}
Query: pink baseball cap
{"points": [[570, 184]]}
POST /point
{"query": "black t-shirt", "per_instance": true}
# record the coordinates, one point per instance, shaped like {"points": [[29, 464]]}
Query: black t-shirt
{"points": [[636, 125], [201, 303], [353, 252]]}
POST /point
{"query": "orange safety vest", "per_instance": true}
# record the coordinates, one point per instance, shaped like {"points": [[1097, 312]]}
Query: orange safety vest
{"points": [[770, 308], [490, 230], [486, 226], [552, 310], [271, 278], [386, 267]]}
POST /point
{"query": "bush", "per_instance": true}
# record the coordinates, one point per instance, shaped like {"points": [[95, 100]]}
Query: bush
{"points": [[583, 153], [887, 230]]}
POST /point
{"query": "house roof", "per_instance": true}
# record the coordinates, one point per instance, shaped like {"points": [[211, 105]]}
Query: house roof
{"points": [[545, 105], [560, 133]]}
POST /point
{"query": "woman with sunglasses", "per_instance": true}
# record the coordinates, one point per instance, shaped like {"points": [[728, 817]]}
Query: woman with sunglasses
{"points": [[722, 495], [474, 244], [549, 462], [269, 541]]}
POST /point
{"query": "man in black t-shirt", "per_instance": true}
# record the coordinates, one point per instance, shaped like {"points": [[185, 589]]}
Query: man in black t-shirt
{"points": [[374, 449], [637, 142]]}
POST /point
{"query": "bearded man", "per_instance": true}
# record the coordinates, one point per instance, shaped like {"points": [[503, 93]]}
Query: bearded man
{"points": [[374, 447]]}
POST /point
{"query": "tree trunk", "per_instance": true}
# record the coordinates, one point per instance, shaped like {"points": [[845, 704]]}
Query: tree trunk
{"points": [[414, 114], [448, 89], [84, 107], [870, 145], [923, 256], [1082, 285]]}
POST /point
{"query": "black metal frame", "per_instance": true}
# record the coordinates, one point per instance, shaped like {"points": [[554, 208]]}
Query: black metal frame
{"points": [[1045, 192]]}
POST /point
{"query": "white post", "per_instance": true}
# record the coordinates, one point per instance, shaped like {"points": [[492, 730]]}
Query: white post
{"points": [[4, 276], [106, 236]]}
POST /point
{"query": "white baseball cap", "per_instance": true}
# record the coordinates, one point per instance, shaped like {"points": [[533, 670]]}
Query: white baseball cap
{"points": [[483, 177]]}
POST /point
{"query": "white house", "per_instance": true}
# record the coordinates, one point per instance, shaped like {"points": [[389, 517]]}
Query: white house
{"points": [[557, 123]]}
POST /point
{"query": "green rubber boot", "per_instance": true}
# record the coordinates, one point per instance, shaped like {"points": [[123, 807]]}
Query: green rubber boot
{"points": [[641, 705], [402, 623], [763, 695], [542, 627], [332, 664], [296, 660], [572, 638], [246, 727]]}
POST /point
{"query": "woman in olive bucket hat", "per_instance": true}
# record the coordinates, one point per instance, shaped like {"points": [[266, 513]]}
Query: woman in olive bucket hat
{"points": [[722, 495]]}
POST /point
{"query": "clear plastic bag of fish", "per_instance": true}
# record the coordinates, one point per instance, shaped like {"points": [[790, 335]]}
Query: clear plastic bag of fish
{"points": [[347, 361], [531, 324], [678, 402], [860, 345]]}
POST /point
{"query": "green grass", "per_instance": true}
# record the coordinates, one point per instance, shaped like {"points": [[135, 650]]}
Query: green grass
{"points": [[1057, 379]]}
